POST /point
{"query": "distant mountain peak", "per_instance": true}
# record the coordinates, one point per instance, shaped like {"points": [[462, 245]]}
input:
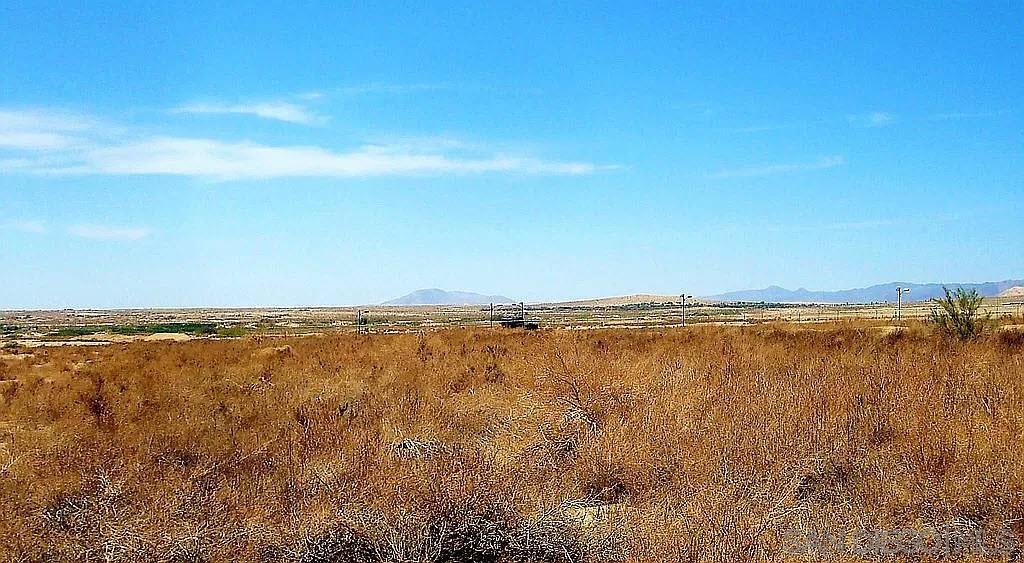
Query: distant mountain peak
{"points": [[435, 296], [874, 293]]}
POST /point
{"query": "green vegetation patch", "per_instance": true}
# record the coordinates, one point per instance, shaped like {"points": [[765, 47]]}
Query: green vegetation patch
{"points": [[76, 331], [197, 329], [230, 331]]}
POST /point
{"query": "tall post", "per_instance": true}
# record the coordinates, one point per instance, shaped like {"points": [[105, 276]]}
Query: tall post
{"points": [[682, 308], [359, 321], [522, 312], [490, 323], [899, 301]]}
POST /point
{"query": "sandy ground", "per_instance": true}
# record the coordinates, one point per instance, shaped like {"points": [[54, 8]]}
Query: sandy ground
{"points": [[31, 343], [636, 299], [171, 336], [14, 356], [100, 339]]}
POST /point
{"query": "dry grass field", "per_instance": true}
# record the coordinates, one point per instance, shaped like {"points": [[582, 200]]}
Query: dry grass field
{"points": [[770, 442]]}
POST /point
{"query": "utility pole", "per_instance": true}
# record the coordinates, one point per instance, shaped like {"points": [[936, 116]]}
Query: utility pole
{"points": [[899, 301], [490, 323], [522, 312], [359, 321], [682, 308]]}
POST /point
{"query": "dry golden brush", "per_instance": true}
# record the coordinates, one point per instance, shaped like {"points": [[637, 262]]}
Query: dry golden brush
{"points": [[714, 443]]}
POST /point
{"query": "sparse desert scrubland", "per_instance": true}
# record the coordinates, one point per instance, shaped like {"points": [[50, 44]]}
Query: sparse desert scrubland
{"points": [[713, 443]]}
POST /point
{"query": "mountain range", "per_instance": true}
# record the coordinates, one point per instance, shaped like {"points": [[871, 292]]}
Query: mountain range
{"points": [[772, 294], [874, 293], [436, 296]]}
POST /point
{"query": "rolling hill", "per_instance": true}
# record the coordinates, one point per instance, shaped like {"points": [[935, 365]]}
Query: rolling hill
{"points": [[1015, 291]]}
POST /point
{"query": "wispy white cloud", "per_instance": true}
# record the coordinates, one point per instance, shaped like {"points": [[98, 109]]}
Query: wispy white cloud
{"points": [[867, 224], [35, 129], [762, 128], [241, 160], [83, 230], [216, 159], [108, 232], [45, 119], [871, 119], [781, 168], [424, 143], [694, 111], [958, 115], [34, 140], [276, 110], [386, 88], [32, 226]]}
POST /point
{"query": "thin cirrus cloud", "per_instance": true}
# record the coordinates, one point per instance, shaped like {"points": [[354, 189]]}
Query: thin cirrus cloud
{"points": [[871, 119], [214, 159], [960, 115], [83, 230], [31, 226], [33, 129], [393, 89], [96, 150], [276, 110], [108, 232], [781, 168]]}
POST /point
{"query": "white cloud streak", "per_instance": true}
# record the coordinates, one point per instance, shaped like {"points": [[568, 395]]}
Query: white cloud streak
{"points": [[35, 130], [98, 152], [108, 232], [776, 169], [763, 128], [275, 110], [176, 156], [385, 88], [958, 115], [34, 227], [871, 119]]}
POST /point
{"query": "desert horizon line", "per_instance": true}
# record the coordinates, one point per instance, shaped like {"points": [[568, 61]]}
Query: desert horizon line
{"points": [[722, 297]]}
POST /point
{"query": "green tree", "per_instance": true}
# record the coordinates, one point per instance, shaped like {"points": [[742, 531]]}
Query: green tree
{"points": [[959, 313]]}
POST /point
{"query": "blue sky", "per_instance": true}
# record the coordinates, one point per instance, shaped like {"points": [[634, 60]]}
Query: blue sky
{"points": [[167, 154]]}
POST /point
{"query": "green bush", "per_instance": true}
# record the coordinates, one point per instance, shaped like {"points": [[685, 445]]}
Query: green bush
{"points": [[958, 314]]}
